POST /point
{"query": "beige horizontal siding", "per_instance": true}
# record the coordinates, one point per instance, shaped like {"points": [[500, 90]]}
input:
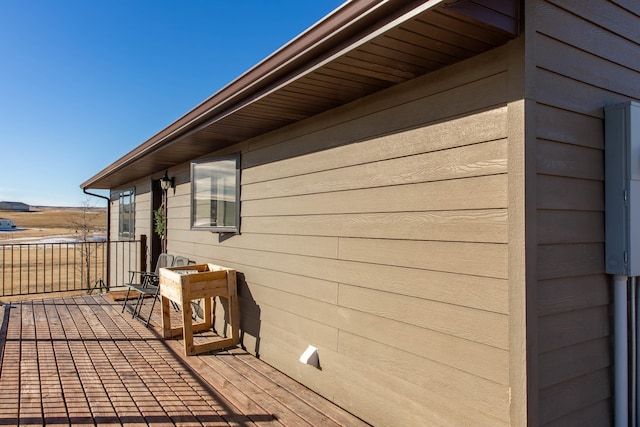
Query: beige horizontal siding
{"points": [[574, 396], [386, 398], [476, 259], [450, 319], [473, 85], [573, 327], [461, 194], [577, 94], [469, 129], [481, 159], [560, 365], [597, 414], [480, 225], [561, 295], [570, 260], [378, 233], [562, 126], [583, 62], [629, 5], [470, 391], [440, 347], [569, 61], [570, 160], [562, 226], [565, 193], [470, 291], [143, 213]]}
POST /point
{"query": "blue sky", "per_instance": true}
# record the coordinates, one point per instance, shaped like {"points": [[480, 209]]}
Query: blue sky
{"points": [[83, 82]]}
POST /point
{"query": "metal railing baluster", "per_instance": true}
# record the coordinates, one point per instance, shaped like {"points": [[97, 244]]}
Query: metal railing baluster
{"points": [[42, 268]]}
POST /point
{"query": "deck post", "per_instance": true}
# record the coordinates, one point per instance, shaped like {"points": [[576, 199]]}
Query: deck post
{"points": [[143, 252]]}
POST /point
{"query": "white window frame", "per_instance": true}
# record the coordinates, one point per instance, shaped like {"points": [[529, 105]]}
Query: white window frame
{"points": [[215, 194], [126, 214]]}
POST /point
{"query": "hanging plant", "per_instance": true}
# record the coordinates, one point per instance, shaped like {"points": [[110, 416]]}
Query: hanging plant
{"points": [[160, 222]]}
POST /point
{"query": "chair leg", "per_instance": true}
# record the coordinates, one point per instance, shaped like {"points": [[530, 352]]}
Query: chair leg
{"points": [[139, 302], [126, 298], [153, 304]]}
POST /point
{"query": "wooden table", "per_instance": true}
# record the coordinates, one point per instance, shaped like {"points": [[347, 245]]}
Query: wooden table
{"points": [[193, 282]]}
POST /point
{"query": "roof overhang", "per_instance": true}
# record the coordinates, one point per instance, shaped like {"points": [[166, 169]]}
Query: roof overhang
{"points": [[364, 46]]}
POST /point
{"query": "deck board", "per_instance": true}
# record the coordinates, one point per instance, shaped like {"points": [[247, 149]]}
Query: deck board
{"points": [[79, 361]]}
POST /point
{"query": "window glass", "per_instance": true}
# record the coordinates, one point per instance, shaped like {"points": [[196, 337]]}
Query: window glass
{"points": [[215, 202], [126, 215]]}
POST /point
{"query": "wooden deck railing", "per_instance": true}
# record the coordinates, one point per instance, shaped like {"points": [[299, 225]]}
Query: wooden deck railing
{"points": [[37, 268]]}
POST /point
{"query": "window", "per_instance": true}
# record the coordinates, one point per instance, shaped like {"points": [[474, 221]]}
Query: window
{"points": [[126, 215], [215, 194]]}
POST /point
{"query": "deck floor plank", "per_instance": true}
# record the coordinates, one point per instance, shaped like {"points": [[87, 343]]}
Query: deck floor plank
{"points": [[276, 392], [311, 398], [80, 361], [252, 393]]}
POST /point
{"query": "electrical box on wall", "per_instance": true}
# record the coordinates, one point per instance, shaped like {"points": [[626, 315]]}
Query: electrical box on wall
{"points": [[622, 188]]}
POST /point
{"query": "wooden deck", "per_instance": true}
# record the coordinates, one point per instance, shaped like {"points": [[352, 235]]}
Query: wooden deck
{"points": [[79, 361]]}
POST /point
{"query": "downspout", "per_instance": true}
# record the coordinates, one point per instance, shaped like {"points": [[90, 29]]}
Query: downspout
{"points": [[620, 351], [108, 199], [636, 404], [622, 250], [633, 349]]}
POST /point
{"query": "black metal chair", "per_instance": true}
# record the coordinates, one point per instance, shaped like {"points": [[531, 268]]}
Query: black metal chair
{"points": [[181, 261], [147, 286]]}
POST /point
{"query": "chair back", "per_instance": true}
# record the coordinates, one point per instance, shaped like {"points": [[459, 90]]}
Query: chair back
{"points": [[164, 260], [180, 261]]}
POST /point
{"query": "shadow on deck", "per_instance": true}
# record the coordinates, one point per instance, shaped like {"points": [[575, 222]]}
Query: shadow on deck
{"points": [[78, 361]]}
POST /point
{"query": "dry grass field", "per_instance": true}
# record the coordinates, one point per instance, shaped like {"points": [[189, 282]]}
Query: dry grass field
{"points": [[52, 261], [51, 222]]}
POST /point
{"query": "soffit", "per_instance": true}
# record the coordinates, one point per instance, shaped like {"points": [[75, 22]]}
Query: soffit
{"points": [[352, 54]]}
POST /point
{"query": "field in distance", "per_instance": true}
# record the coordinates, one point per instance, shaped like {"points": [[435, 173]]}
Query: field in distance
{"points": [[53, 222]]}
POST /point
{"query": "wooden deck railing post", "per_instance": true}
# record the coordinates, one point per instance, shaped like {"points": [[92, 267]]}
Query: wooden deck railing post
{"points": [[143, 252]]}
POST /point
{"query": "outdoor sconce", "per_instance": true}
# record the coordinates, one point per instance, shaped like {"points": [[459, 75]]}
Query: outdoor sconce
{"points": [[166, 183]]}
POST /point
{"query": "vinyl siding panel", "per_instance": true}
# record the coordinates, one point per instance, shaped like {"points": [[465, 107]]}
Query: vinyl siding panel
{"points": [[143, 213], [470, 193], [574, 396], [461, 162], [470, 129], [481, 225], [596, 415], [378, 232], [582, 63]]}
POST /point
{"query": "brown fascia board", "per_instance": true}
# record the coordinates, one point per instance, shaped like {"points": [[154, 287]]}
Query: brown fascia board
{"points": [[339, 26]]}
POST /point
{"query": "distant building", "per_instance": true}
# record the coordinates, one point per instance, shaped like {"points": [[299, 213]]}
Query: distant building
{"points": [[6, 224], [14, 206]]}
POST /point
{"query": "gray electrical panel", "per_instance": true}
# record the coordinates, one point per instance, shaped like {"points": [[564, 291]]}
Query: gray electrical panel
{"points": [[622, 188]]}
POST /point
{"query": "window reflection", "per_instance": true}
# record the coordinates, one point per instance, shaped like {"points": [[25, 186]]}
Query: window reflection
{"points": [[215, 194], [126, 212]]}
